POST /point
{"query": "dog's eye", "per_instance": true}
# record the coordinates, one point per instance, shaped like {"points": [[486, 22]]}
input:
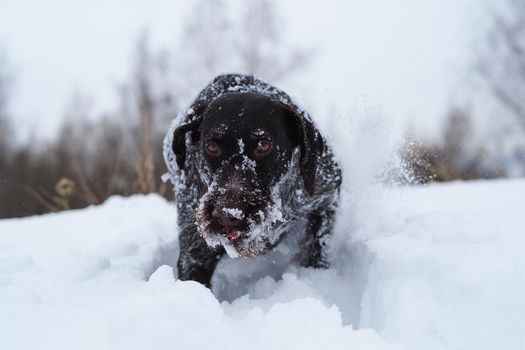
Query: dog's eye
{"points": [[263, 147], [213, 149]]}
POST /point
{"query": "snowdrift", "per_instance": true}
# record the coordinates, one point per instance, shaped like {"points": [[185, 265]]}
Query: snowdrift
{"points": [[437, 267]]}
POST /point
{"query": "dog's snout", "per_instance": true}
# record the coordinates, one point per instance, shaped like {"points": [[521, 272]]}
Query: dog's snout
{"points": [[228, 217]]}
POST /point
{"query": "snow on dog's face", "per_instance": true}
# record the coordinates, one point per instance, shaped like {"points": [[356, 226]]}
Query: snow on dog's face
{"points": [[246, 143], [242, 147]]}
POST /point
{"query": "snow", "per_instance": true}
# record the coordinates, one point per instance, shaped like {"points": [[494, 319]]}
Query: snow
{"points": [[436, 267], [234, 212]]}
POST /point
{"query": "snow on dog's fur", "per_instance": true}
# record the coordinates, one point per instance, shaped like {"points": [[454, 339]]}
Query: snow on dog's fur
{"points": [[249, 167]]}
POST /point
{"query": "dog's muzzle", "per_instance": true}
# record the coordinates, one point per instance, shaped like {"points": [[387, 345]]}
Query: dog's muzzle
{"points": [[237, 214]]}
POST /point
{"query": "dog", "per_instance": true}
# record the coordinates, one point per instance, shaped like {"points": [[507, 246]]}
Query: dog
{"points": [[249, 168]]}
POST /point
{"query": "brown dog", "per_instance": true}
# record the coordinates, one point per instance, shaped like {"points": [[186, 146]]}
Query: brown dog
{"points": [[249, 167]]}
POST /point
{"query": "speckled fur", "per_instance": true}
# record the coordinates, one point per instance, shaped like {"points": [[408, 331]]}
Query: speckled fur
{"points": [[302, 204]]}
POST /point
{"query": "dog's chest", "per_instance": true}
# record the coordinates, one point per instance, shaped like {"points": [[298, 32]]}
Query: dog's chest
{"points": [[235, 277]]}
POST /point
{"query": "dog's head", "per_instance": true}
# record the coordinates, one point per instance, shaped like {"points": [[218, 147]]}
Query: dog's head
{"points": [[245, 143]]}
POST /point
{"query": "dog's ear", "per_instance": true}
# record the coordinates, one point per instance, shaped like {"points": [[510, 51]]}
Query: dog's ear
{"points": [[192, 123], [311, 145], [179, 144]]}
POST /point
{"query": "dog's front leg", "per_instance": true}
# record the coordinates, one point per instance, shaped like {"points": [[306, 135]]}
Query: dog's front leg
{"points": [[197, 260], [318, 231]]}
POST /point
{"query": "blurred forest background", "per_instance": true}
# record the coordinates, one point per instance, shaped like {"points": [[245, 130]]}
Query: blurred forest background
{"points": [[120, 152]]}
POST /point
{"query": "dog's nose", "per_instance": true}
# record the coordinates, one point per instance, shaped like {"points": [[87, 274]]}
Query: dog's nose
{"points": [[228, 217]]}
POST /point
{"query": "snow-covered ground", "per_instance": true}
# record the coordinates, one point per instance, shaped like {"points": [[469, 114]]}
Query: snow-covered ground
{"points": [[437, 267]]}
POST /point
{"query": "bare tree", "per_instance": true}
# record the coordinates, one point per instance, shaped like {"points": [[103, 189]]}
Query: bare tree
{"points": [[501, 66], [5, 136], [146, 109], [5, 128], [149, 102], [501, 62], [261, 44], [457, 156], [250, 39], [205, 45]]}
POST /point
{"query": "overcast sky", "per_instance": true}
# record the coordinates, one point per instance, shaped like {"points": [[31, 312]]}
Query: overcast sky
{"points": [[409, 56]]}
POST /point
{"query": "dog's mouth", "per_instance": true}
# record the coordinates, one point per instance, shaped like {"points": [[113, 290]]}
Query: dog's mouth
{"points": [[232, 235], [252, 236]]}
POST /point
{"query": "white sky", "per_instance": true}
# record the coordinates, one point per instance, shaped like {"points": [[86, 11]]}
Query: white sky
{"points": [[409, 56]]}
